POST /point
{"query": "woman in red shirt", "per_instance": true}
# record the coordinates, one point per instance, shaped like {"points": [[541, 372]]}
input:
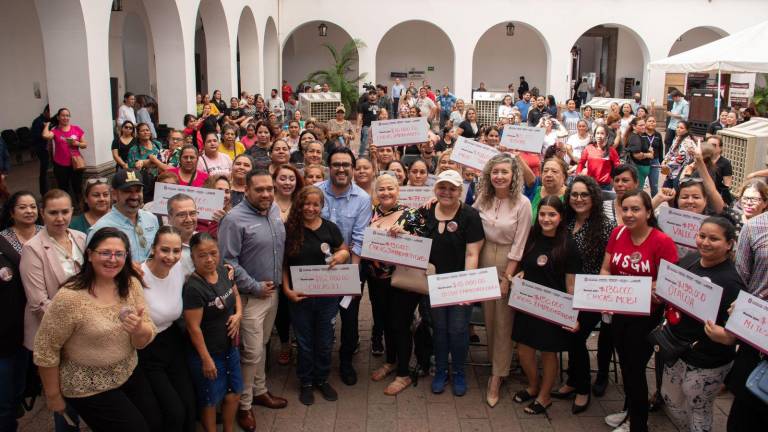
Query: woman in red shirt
{"points": [[636, 249], [68, 139], [599, 158], [187, 170]]}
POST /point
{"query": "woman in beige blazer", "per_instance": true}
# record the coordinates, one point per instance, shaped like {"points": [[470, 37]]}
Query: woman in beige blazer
{"points": [[51, 257]]}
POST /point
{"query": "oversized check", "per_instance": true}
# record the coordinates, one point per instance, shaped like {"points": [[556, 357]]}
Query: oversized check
{"points": [[415, 196], [472, 153], [692, 294], [523, 138], [621, 294], [320, 281], [387, 133], [749, 320], [543, 302], [463, 287], [405, 249], [680, 225], [206, 200]]}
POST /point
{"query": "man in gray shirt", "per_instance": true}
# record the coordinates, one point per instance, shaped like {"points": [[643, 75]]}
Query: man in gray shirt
{"points": [[252, 240]]}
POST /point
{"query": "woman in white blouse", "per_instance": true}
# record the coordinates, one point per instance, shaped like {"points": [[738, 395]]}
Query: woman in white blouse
{"points": [[505, 109], [506, 216]]}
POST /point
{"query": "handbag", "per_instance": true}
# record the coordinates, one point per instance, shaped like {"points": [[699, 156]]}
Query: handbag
{"points": [[412, 279], [667, 345], [78, 163], [757, 382]]}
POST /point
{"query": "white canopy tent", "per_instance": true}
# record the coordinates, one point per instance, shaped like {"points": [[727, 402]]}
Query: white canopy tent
{"points": [[740, 52]]}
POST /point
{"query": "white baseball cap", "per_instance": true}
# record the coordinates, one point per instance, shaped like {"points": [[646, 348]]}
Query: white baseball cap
{"points": [[450, 176]]}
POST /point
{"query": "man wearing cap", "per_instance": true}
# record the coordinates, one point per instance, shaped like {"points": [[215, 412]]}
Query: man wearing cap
{"points": [[340, 128], [367, 112], [445, 101], [126, 215], [678, 112]]}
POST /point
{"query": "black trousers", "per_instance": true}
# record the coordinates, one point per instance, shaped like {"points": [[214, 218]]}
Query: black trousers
{"points": [[349, 331], [378, 292], [165, 366], [283, 318], [630, 336], [131, 407], [70, 181], [44, 158], [578, 355], [669, 138], [396, 307]]}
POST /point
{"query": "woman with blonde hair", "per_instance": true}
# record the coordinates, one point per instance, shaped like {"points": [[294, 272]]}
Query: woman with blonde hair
{"points": [[506, 217]]}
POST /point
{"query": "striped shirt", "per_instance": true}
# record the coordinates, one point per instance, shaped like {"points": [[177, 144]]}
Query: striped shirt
{"points": [[752, 255]]}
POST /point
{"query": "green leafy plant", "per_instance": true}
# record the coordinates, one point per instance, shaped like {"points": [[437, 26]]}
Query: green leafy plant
{"points": [[338, 75], [760, 98]]}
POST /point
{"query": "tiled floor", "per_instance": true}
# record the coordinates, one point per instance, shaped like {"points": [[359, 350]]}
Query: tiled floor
{"points": [[364, 407]]}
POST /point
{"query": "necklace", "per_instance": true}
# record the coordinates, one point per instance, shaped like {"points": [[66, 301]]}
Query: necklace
{"points": [[62, 249]]}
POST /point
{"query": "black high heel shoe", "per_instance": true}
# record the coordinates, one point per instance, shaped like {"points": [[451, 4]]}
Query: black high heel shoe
{"points": [[576, 409]]}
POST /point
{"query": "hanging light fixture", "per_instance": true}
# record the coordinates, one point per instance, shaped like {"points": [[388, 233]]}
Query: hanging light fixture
{"points": [[510, 29], [322, 30], [117, 5]]}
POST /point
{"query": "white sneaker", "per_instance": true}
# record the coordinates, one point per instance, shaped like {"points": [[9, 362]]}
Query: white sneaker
{"points": [[624, 427], [614, 420]]}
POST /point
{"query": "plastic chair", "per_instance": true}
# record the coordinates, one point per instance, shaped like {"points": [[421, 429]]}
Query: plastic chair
{"points": [[25, 141]]}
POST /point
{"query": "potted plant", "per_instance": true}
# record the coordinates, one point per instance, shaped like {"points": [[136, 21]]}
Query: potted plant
{"points": [[337, 76]]}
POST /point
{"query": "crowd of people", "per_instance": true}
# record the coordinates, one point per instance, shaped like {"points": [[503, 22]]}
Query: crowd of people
{"points": [[139, 319]]}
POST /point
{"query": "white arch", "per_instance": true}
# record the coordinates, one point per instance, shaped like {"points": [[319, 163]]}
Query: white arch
{"points": [[496, 59], [271, 57], [695, 37], [417, 44], [248, 46], [218, 50], [303, 51]]}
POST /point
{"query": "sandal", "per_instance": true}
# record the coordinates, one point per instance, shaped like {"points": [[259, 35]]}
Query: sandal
{"points": [[398, 385], [382, 372], [536, 408], [284, 358], [522, 396]]}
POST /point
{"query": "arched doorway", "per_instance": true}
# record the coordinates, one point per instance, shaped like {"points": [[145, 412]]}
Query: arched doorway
{"points": [[213, 51], [304, 53], [248, 53], [418, 49], [612, 55], [271, 57], [695, 38], [497, 57]]}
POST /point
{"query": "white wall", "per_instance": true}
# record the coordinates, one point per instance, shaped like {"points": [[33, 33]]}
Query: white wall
{"points": [[303, 52], [416, 45], [135, 55], [694, 38], [629, 61], [22, 67], [500, 59]]}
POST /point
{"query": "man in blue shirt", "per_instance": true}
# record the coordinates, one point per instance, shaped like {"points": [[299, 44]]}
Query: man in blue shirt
{"points": [[446, 101], [397, 92], [349, 207], [679, 112], [126, 215], [524, 105]]}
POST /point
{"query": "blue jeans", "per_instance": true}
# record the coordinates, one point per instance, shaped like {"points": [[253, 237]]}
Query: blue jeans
{"points": [[653, 177], [312, 322], [451, 327], [13, 379], [363, 141]]}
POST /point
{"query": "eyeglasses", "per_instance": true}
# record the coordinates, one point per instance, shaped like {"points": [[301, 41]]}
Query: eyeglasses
{"points": [[184, 215], [106, 254], [580, 195], [341, 165], [751, 200], [96, 180], [140, 234]]}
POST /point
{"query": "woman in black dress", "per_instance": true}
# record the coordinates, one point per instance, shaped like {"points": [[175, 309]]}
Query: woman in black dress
{"points": [[550, 259]]}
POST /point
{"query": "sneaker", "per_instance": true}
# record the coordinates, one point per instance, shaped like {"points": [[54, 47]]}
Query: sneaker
{"points": [[459, 384], [306, 395], [377, 347], [624, 427], [615, 420], [439, 381], [327, 391]]}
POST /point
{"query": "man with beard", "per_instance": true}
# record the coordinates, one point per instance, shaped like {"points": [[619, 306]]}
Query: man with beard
{"points": [[536, 113], [252, 240], [126, 215], [349, 207]]}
